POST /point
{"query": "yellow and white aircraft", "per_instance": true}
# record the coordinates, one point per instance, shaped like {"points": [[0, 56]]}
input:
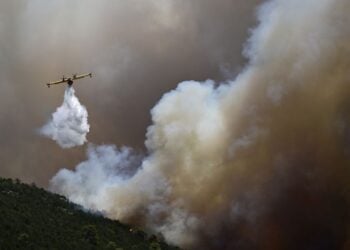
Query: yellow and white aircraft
{"points": [[69, 80]]}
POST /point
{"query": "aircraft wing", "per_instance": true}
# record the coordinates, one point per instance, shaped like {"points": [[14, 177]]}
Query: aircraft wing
{"points": [[76, 77], [57, 82]]}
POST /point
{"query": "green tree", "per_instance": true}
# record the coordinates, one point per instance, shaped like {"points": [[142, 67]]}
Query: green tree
{"points": [[111, 246], [23, 239], [90, 234], [155, 246]]}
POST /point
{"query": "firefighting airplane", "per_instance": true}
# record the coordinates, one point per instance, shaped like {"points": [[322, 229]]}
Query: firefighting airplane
{"points": [[69, 80]]}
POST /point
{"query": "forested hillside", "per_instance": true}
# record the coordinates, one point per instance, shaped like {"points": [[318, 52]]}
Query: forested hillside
{"points": [[32, 218]]}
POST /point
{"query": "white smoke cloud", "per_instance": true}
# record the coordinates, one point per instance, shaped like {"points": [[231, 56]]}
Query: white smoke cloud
{"points": [[69, 124], [208, 143]]}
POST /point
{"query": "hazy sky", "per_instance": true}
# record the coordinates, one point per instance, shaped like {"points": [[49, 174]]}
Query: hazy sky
{"points": [[258, 162], [137, 50], [256, 159]]}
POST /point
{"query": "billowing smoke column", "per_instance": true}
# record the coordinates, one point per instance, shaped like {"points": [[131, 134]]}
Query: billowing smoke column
{"points": [[261, 162], [69, 124]]}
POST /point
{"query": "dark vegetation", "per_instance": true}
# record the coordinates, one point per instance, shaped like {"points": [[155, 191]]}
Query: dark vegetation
{"points": [[32, 218]]}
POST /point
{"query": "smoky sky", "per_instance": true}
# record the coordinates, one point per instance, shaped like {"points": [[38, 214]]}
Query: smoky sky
{"points": [[137, 50], [258, 158], [259, 161]]}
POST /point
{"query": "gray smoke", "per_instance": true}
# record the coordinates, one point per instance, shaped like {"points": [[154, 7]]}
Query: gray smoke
{"points": [[138, 50], [258, 162], [69, 124]]}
